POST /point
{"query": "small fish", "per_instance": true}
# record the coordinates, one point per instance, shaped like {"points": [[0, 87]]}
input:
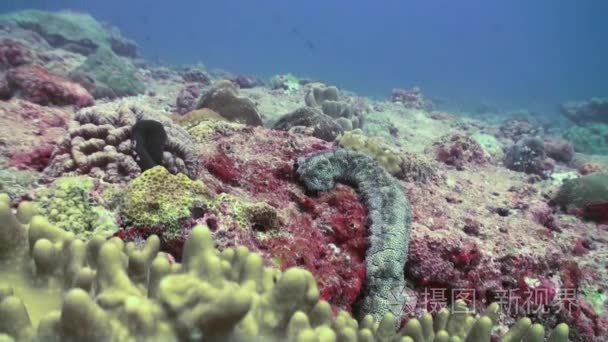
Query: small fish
{"points": [[277, 19], [310, 45]]}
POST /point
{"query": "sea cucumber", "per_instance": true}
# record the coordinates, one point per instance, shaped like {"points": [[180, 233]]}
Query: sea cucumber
{"points": [[389, 222]]}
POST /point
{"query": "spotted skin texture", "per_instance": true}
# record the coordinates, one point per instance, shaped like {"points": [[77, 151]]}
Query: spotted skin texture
{"points": [[389, 222]]}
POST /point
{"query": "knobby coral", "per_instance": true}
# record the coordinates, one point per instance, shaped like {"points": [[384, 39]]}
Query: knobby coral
{"points": [[403, 165], [389, 226], [125, 292], [328, 100], [100, 143], [157, 197]]}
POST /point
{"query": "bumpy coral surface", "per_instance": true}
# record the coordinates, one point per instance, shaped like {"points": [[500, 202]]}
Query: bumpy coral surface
{"points": [[130, 292], [223, 98], [476, 225], [38, 85], [72, 31], [592, 111], [320, 125], [29, 131], [389, 217], [13, 53], [112, 72], [157, 197], [69, 203], [99, 143]]}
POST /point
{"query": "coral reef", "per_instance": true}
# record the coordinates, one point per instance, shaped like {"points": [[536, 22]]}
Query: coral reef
{"points": [[110, 72], [246, 82], [223, 98], [196, 74], [589, 139], [559, 149], [29, 131], [193, 118], [516, 129], [490, 144], [389, 217], [123, 291], [529, 156], [479, 231], [187, 97], [411, 98], [586, 196], [321, 125], [100, 143], [16, 183], [328, 100], [459, 151], [72, 31], [594, 110], [69, 204], [13, 53], [403, 165], [286, 82], [36, 84], [156, 197]]}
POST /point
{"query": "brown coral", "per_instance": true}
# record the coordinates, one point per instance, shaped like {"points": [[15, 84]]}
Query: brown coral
{"points": [[99, 142]]}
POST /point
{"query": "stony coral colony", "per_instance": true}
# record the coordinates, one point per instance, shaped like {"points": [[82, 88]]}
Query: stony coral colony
{"points": [[176, 203]]}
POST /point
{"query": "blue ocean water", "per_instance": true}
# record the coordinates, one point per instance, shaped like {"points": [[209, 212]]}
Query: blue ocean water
{"points": [[510, 54]]}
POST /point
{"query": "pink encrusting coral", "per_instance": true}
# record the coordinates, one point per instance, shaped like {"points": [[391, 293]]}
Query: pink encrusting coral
{"points": [[484, 223], [253, 167], [13, 53], [29, 132], [411, 98], [36, 84]]}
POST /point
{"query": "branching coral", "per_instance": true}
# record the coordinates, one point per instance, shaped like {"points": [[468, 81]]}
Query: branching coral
{"points": [[124, 292], [100, 143], [389, 222]]}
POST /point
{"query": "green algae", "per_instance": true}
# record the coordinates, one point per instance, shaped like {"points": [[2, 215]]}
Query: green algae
{"points": [[15, 182], [70, 30], [490, 144], [596, 298], [113, 72]]}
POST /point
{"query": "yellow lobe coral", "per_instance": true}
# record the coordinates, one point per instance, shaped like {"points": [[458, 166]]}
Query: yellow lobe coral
{"points": [[126, 292]]}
